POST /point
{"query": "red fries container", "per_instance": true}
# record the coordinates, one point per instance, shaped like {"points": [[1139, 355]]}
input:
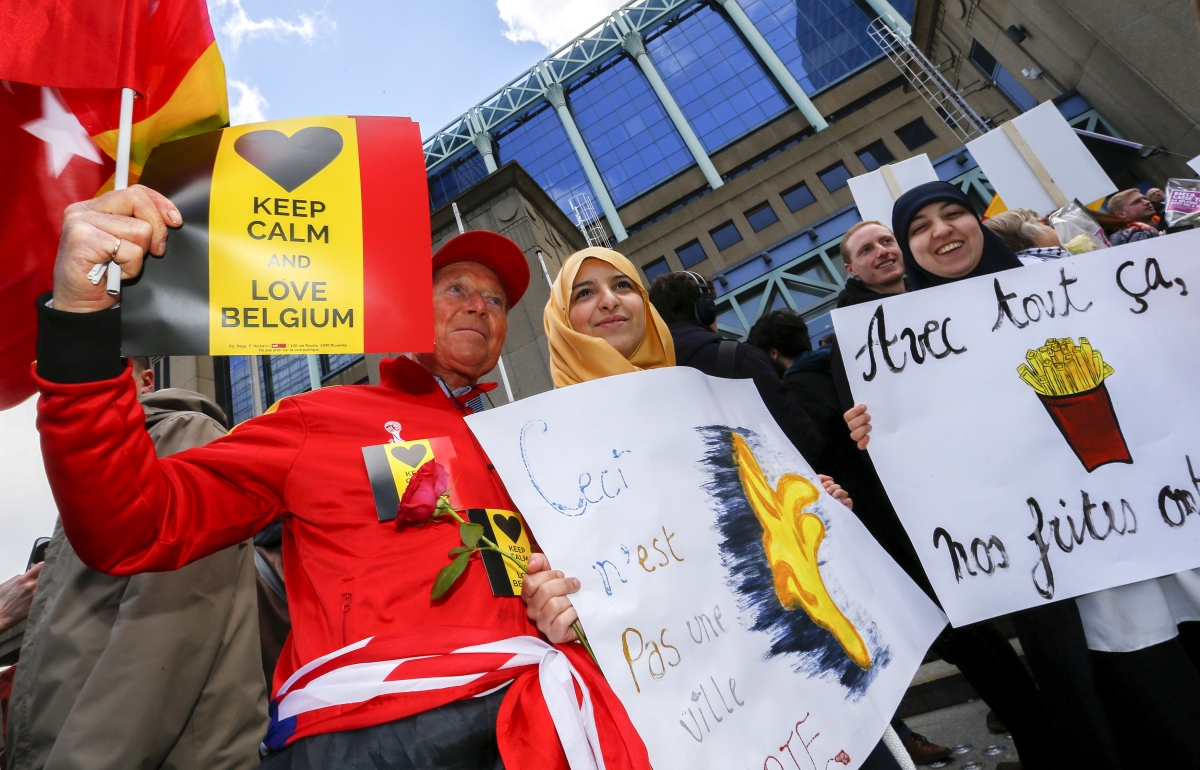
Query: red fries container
{"points": [[1089, 424]]}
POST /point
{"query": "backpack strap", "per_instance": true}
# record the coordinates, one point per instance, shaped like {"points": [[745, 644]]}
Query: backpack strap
{"points": [[726, 352]]}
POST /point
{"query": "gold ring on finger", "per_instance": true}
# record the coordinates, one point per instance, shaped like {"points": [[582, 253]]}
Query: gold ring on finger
{"points": [[115, 249]]}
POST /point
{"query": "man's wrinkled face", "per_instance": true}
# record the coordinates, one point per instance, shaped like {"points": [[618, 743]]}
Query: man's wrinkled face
{"points": [[469, 319]]}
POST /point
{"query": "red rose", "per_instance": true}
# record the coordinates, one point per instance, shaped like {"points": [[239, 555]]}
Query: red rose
{"points": [[420, 499]]}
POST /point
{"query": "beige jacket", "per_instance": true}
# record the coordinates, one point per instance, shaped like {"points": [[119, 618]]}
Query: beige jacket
{"points": [[159, 670]]}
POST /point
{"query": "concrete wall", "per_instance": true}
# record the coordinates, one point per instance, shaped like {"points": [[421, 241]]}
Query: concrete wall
{"points": [[1136, 63]]}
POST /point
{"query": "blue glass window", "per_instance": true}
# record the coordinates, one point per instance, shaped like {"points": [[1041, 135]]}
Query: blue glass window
{"points": [[241, 391], [915, 134], [713, 75], [797, 197], [726, 235], [691, 254], [820, 41], [834, 177], [656, 268], [875, 154], [333, 364], [761, 216], [455, 175], [285, 376], [540, 144], [625, 127]]}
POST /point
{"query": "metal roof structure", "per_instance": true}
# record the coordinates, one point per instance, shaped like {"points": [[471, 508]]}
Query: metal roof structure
{"points": [[574, 58]]}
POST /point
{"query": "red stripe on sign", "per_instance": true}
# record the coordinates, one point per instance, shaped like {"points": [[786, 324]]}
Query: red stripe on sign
{"points": [[397, 245]]}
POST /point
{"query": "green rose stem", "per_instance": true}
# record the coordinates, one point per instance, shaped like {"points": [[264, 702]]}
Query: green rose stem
{"points": [[472, 536]]}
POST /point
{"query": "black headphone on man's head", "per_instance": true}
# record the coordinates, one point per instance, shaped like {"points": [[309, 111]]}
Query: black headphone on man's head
{"points": [[706, 303]]}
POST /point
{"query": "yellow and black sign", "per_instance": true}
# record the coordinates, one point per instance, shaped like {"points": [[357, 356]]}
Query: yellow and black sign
{"points": [[390, 467], [308, 235], [507, 530]]}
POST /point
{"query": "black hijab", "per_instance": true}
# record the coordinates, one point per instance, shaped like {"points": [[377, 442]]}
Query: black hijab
{"points": [[996, 256]]}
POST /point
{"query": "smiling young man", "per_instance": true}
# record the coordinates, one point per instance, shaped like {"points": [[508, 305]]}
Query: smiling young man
{"points": [[873, 260], [374, 674]]}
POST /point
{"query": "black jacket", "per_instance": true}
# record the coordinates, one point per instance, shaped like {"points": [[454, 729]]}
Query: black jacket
{"points": [[696, 346], [827, 396]]}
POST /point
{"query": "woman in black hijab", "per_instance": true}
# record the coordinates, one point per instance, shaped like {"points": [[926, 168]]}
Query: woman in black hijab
{"points": [[942, 238], [1150, 694]]}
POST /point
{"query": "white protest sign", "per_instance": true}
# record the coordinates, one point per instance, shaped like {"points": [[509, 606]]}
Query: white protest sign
{"points": [[1014, 494], [1194, 164], [1059, 151], [735, 609], [873, 194]]}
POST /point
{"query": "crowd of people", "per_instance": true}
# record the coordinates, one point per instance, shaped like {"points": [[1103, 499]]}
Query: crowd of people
{"points": [[216, 599]]}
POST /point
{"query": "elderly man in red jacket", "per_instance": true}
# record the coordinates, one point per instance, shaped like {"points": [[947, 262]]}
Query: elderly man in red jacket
{"points": [[374, 674]]}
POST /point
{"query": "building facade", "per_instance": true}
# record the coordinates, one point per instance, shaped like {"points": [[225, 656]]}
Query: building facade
{"points": [[718, 135]]}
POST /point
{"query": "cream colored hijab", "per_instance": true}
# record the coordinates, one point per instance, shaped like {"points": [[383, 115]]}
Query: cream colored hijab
{"points": [[576, 357]]}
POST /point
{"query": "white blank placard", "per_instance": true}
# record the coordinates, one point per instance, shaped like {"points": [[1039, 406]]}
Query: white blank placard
{"points": [[1059, 149], [874, 199]]}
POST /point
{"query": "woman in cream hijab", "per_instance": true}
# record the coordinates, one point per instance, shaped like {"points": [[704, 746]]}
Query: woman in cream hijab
{"points": [[600, 322]]}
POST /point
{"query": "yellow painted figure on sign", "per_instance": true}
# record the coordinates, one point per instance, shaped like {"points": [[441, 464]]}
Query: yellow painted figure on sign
{"points": [[791, 539]]}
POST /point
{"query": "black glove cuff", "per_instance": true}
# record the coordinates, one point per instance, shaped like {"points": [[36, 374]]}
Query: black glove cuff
{"points": [[78, 347]]}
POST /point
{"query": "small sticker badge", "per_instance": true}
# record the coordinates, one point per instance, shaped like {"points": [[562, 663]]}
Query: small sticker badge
{"points": [[506, 529], [391, 466]]}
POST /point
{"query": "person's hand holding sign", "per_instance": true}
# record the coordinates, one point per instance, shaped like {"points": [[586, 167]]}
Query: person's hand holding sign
{"points": [[859, 423], [544, 592], [120, 226]]}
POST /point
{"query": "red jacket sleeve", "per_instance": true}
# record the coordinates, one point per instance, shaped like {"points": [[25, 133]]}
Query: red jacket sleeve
{"points": [[125, 510]]}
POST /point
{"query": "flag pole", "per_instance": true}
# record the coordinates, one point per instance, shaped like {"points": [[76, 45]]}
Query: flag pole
{"points": [[500, 360], [121, 177]]}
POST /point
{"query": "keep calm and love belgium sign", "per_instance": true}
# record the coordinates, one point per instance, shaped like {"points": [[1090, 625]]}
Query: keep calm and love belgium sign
{"points": [[308, 235]]}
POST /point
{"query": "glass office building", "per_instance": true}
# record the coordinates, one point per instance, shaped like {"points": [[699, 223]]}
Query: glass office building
{"points": [[711, 70]]}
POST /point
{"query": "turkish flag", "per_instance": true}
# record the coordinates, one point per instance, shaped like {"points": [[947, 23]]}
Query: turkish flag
{"points": [[73, 44], [48, 163]]}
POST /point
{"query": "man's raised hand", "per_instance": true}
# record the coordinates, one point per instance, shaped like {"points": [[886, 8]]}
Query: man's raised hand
{"points": [[123, 225]]}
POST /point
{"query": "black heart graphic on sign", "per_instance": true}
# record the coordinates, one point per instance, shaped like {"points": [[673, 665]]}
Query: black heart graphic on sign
{"points": [[290, 161], [409, 455], [509, 525]]}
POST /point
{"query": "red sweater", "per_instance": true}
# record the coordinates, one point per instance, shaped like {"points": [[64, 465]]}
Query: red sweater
{"points": [[352, 581]]}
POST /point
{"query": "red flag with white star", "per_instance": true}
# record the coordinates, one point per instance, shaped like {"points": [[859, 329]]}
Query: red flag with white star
{"points": [[49, 161], [59, 129]]}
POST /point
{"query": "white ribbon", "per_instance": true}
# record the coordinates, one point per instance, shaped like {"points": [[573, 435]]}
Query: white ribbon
{"points": [[359, 682]]}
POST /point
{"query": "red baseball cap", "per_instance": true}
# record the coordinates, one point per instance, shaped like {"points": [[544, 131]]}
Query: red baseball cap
{"points": [[492, 250]]}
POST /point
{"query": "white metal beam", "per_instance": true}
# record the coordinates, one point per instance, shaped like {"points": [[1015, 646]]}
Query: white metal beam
{"points": [[632, 40]]}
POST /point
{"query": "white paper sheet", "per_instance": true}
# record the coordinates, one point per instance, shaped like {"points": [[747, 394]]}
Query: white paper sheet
{"points": [[629, 483], [970, 453]]}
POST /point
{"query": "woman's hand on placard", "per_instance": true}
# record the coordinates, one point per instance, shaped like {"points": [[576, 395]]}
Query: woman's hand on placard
{"points": [[544, 592], [834, 490], [121, 226], [859, 423]]}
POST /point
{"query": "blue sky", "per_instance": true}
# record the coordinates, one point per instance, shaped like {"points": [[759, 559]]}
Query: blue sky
{"points": [[430, 61]]}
